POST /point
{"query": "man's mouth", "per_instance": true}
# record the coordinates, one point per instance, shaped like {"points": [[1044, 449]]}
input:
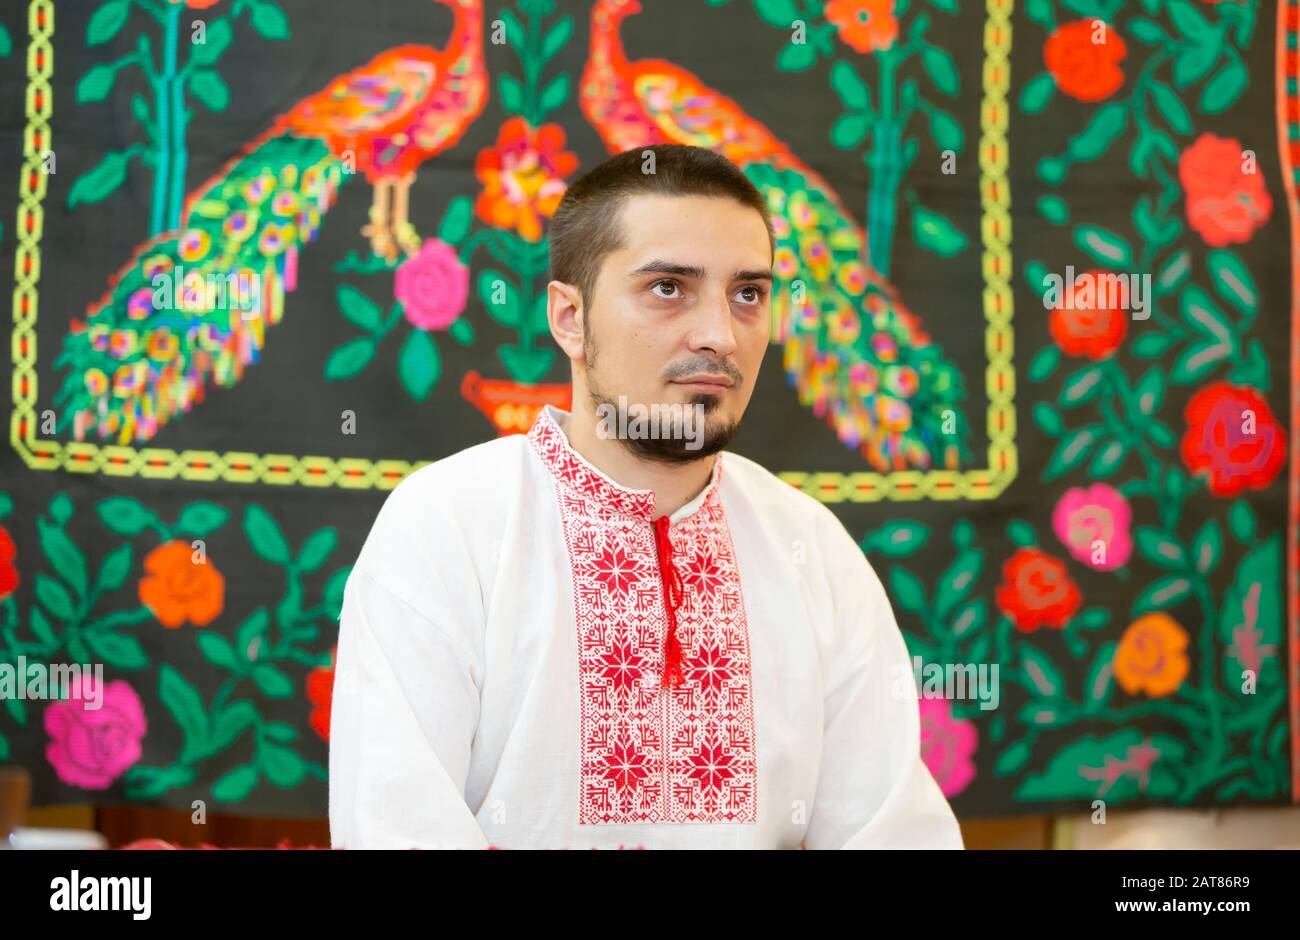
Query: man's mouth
{"points": [[705, 383]]}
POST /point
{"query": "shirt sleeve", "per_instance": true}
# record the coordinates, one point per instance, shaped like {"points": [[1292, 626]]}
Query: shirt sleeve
{"points": [[873, 790], [403, 718]]}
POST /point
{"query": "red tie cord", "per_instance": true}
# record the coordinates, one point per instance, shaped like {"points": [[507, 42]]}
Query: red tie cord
{"points": [[672, 584]]}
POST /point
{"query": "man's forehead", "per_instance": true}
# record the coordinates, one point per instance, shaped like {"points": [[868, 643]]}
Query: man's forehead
{"points": [[710, 232]]}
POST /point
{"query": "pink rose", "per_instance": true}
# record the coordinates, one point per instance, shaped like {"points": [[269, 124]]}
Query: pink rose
{"points": [[90, 748], [947, 746], [1098, 513], [432, 286]]}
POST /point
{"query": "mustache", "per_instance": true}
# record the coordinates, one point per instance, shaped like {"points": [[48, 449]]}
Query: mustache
{"points": [[703, 364]]}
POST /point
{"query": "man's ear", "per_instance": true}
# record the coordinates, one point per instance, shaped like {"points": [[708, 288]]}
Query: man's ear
{"points": [[564, 314]]}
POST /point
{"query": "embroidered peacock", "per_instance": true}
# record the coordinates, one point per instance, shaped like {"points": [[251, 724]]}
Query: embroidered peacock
{"points": [[853, 351], [143, 356]]}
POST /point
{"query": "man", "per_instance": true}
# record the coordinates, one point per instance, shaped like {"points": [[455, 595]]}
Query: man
{"points": [[609, 633]]}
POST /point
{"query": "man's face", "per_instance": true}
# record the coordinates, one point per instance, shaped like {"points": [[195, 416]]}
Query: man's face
{"points": [[681, 315]]}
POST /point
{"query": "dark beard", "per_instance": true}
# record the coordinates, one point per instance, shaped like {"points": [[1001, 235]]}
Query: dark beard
{"points": [[672, 449]]}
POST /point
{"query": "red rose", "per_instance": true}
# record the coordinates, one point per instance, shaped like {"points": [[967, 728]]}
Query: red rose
{"points": [[8, 573], [1225, 204], [1084, 324], [1222, 443], [1036, 591], [320, 692], [1083, 69]]}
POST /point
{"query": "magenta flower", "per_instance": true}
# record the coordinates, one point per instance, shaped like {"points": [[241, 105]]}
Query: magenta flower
{"points": [[1099, 514], [89, 747], [432, 286], [947, 746]]}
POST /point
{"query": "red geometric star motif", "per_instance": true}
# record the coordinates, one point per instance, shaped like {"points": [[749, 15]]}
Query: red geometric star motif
{"points": [[622, 665], [614, 569], [625, 766], [712, 766], [703, 573], [711, 668]]}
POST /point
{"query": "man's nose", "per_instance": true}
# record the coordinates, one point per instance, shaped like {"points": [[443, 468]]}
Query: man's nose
{"points": [[712, 330]]}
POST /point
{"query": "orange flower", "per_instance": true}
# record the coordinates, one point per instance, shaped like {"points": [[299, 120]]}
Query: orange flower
{"points": [[1085, 323], [864, 25], [1084, 69], [523, 177], [1152, 656], [177, 589]]}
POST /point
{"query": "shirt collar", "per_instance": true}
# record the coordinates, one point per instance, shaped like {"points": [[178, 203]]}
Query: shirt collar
{"points": [[572, 469]]}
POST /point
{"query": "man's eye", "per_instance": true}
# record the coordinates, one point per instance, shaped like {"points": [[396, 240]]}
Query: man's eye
{"points": [[670, 288], [750, 295]]}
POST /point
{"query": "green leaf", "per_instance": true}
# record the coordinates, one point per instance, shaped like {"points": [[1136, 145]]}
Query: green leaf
{"points": [[1155, 546], [932, 231], [6, 47], [908, 593], [233, 721], [1233, 280], [97, 184], [186, 706], [201, 519], [942, 70], [1081, 386], [1094, 618], [64, 555], [210, 89], [1241, 519], [1071, 451], [1207, 546], [418, 364], [512, 94], [1021, 534], [1013, 758], [946, 132], [1100, 680], [1104, 245], [281, 732], [253, 627], [272, 681], [114, 569], [1196, 360], [1038, 91], [1171, 107], [456, 219], [106, 22], [1189, 22], [849, 130], [1048, 418], [1036, 276], [897, 539], [796, 57], [359, 308], [349, 359], [1044, 678], [265, 536], [556, 37], [332, 596], [1078, 770], [96, 84], [41, 627], [1174, 272], [555, 94], [1044, 363], [216, 39], [500, 297], [1095, 139], [283, 767], [1193, 63], [55, 597], [1252, 615], [1054, 209], [269, 21], [217, 650], [119, 650], [461, 331], [317, 549], [780, 13], [957, 580], [235, 785], [1147, 31], [1108, 459], [124, 515], [1223, 90], [17, 709], [1040, 11], [526, 365], [970, 618], [1162, 595], [850, 87], [1150, 390]]}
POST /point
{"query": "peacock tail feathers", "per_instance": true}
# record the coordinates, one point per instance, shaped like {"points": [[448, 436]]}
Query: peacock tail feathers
{"points": [[192, 306], [852, 351]]}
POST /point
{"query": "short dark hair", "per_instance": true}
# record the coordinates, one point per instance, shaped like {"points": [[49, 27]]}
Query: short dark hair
{"points": [[586, 226]]}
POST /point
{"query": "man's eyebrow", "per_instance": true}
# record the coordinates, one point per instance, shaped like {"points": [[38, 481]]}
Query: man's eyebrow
{"points": [[696, 272]]}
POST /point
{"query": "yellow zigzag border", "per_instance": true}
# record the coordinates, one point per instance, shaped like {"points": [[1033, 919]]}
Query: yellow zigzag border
{"points": [[362, 474]]}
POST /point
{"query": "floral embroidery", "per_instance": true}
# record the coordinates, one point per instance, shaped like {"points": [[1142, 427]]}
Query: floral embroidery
{"points": [[648, 754]]}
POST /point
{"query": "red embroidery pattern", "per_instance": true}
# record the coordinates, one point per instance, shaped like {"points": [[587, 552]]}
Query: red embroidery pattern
{"points": [[648, 754]]}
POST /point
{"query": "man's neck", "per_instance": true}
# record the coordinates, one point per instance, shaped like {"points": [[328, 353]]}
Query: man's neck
{"points": [[674, 485]]}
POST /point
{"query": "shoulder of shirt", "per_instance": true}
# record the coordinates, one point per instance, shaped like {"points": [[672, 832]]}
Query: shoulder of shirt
{"points": [[774, 491], [456, 480]]}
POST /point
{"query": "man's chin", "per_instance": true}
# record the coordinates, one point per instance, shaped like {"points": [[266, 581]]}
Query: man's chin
{"points": [[684, 448]]}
